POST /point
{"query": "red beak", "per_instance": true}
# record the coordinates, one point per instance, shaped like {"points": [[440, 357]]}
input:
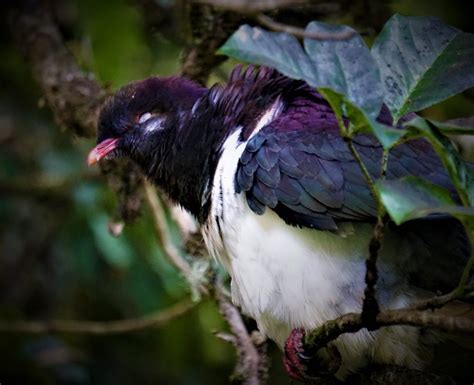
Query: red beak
{"points": [[101, 150]]}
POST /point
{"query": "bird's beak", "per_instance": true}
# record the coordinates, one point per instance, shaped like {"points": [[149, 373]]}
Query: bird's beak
{"points": [[101, 150]]}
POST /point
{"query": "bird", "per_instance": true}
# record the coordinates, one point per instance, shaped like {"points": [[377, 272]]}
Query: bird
{"points": [[283, 205]]}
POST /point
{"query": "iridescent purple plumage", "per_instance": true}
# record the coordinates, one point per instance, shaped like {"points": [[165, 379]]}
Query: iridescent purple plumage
{"points": [[260, 162]]}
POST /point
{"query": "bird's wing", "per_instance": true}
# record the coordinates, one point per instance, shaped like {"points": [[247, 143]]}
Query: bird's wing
{"points": [[300, 167]]}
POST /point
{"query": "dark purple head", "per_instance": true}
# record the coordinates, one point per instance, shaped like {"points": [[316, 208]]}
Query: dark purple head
{"points": [[142, 115], [149, 121]]}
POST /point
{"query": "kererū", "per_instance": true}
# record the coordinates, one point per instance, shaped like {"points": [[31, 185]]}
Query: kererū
{"points": [[284, 206]]}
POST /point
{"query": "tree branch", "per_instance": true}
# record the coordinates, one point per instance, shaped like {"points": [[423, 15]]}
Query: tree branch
{"points": [[73, 95], [397, 375], [353, 322], [251, 6], [269, 23], [442, 300], [421, 314], [173, 254], [210, 29], [153, 320], [251, 368]]}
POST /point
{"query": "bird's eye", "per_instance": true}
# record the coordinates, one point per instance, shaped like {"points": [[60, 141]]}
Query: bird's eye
{"points": [[144, 117]]}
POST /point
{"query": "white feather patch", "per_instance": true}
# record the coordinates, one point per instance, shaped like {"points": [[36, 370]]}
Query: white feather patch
{"points": [[271, 114], [287, 277], [154, 124]]}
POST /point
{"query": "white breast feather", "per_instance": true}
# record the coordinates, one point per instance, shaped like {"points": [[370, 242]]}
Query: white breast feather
{"points": [[287, 277]]}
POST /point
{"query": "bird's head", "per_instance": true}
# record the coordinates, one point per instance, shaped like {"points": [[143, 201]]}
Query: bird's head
{"points": [[142, 118]]}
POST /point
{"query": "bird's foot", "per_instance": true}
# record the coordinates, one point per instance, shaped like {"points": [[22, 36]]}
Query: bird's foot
{"points": [[303, 364]]}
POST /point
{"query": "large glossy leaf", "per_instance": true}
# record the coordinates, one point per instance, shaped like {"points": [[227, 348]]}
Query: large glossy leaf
{"points": [[411, 197], [273, 49], [459, 171], [345, 65], [422, 62]]}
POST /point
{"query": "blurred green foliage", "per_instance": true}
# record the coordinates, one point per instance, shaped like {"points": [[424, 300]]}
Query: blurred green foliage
{"points": [[57, 257]]}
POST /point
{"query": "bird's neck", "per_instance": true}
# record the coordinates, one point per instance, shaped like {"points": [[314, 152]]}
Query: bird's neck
{"points": [[189, 164], [188, 159]]}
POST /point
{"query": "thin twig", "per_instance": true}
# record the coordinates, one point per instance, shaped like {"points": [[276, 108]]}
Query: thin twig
{"points": [[269, 23], [249, 364], [172, 253], [251, 6], [162, 231], [360, 162], [153, 320], [459, 291], [370, 306], [442, 300], [227, 337], [384, 164]]}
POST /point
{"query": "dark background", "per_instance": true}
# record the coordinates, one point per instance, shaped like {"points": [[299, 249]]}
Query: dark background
{"points": [[57, 258]]}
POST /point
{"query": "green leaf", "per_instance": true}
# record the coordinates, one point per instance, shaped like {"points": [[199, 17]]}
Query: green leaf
{"points": [[412, 197], [346, 66], [343, 65], [461, 126], [359, 121], [422, 62], [273, 49], [460, 173]]}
